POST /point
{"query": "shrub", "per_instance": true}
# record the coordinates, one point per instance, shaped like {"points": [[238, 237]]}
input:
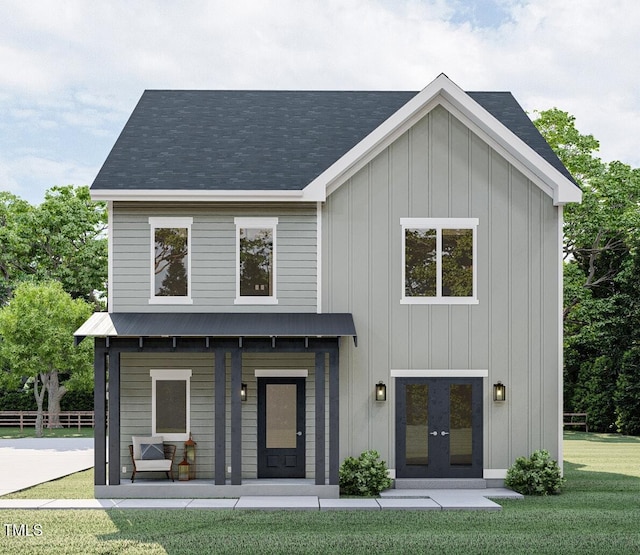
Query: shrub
{"points": [[365, 476], [536, 475]]}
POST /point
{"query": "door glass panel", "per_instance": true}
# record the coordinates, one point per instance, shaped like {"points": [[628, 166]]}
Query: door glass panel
{"points": [[417, 406], [461, 434], [281, 416]]}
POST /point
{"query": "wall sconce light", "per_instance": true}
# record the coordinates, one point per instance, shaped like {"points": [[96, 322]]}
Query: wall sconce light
{"points": [[243, 392], [381, 391], [499, 392]]}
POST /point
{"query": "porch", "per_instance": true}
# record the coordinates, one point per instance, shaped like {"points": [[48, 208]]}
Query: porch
{"points": [[222, 340]]}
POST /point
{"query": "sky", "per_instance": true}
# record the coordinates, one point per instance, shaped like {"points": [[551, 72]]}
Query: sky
{"points": [[71, 71]]}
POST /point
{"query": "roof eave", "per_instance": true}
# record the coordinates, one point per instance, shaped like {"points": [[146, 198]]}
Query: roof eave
{"points": [[442, 91], [223, 195]]}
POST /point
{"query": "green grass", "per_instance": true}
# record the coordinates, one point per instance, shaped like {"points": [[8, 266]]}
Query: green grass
{"points": [[598, 513], [15, 433]]}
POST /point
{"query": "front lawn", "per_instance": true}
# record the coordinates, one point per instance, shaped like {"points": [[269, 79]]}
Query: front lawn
{"points": [[598, 513], [15, 433]]}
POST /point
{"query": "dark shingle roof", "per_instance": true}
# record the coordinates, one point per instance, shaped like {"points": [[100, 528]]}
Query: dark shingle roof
{"points": [[505, 108], [261, 140]]}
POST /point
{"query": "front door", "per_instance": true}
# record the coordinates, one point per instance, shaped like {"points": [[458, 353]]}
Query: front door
{"points": [[281, 427], [439, 427]]}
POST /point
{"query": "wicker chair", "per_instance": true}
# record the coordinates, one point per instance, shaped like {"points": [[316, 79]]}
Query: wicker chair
{"points": [[154, 465]]}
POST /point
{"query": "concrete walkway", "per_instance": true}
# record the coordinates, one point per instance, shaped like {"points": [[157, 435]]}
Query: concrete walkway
{"points": [[27, 462], [392, 499]]}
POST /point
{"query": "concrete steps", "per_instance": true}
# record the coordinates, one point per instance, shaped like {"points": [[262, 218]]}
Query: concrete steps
{"points": [[440, 483]]}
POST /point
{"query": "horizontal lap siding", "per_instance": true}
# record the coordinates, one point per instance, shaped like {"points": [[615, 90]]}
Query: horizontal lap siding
{"points": [[135, 404], [135, 399], [440, 169], [213, 257]]}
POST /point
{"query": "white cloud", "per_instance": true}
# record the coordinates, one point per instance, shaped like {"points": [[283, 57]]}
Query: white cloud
{"points": [[74, 69]]}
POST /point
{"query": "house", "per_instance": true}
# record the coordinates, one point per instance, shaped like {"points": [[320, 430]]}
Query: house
{"points": [[299, 276]]}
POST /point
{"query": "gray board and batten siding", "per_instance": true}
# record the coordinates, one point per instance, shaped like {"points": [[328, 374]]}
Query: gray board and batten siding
{"points": [[213, 257], [440, 169]]}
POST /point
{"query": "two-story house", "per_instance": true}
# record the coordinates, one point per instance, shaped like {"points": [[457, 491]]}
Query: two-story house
{"points": [[299, 276]]}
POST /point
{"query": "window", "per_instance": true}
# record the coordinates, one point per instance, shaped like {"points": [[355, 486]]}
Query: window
{"points": [[256, 260], [171, 260], [438, 260], [170, 404]]}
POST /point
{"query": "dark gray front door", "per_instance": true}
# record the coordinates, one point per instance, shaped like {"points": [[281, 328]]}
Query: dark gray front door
{"points": [[281, 427], [439, 427]]}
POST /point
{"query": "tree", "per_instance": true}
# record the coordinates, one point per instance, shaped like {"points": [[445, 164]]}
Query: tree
{"points": [[37, 328], [62, 239], [601, 308]]}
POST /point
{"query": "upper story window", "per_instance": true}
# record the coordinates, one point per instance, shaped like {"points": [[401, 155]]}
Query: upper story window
{"points": [[256, 260], [170, 260], [439, 260]]}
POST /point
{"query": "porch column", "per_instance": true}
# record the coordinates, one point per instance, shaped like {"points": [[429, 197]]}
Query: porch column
{"points": [[236, 417], [114, 418], [220, 417], [100, 412], [334, 417], [320, 419]]}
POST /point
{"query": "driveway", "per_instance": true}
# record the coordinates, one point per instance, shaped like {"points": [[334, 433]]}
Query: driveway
{"points": [[29, 461]]}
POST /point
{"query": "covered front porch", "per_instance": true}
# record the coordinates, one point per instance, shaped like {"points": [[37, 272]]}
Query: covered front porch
{"points": [[222, 341]]}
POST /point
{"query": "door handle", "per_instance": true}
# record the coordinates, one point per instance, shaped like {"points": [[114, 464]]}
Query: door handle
{"points": [[444, 433], [298, 434], [434, 433]]}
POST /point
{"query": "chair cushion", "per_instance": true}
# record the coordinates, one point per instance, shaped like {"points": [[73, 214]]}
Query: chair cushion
{"points": [[144, 466], [147, 440], [151, 451]]}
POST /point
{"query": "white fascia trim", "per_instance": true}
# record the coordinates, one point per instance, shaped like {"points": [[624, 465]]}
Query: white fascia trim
{"points": [[273, 373], [439, 373], [560, 345], [442, 91], [319, 258], [110, 257], [176, 195]]}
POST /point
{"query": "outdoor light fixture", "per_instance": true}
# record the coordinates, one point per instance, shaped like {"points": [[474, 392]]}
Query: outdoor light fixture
{"points": [[499, 392], [381, 391], [243, 392]]}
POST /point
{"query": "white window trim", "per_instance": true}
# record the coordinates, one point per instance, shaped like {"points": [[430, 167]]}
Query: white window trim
{"points": [[156, 223], [167, 375], [256, 223], [438, 224]]}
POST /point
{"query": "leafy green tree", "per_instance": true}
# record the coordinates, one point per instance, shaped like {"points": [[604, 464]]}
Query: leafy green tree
{"points": [[37, 328], [62, 239], [601, 311]]}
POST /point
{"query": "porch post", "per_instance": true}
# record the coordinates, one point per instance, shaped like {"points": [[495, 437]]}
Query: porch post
{"points": [[220, 416], [236, 417], [100, 411], [320, 419], [114, 418], [334, 416]]}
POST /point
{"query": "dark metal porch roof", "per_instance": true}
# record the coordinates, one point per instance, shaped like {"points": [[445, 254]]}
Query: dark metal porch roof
{"points": [[251, 324]]}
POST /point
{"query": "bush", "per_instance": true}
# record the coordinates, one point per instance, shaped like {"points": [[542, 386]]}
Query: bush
{"points": [[365, 476], [537, 475], [628, 394]]}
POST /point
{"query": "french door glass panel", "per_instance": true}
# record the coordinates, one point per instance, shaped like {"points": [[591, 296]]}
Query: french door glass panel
{"points": [[460, 425], [417, 444]]}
